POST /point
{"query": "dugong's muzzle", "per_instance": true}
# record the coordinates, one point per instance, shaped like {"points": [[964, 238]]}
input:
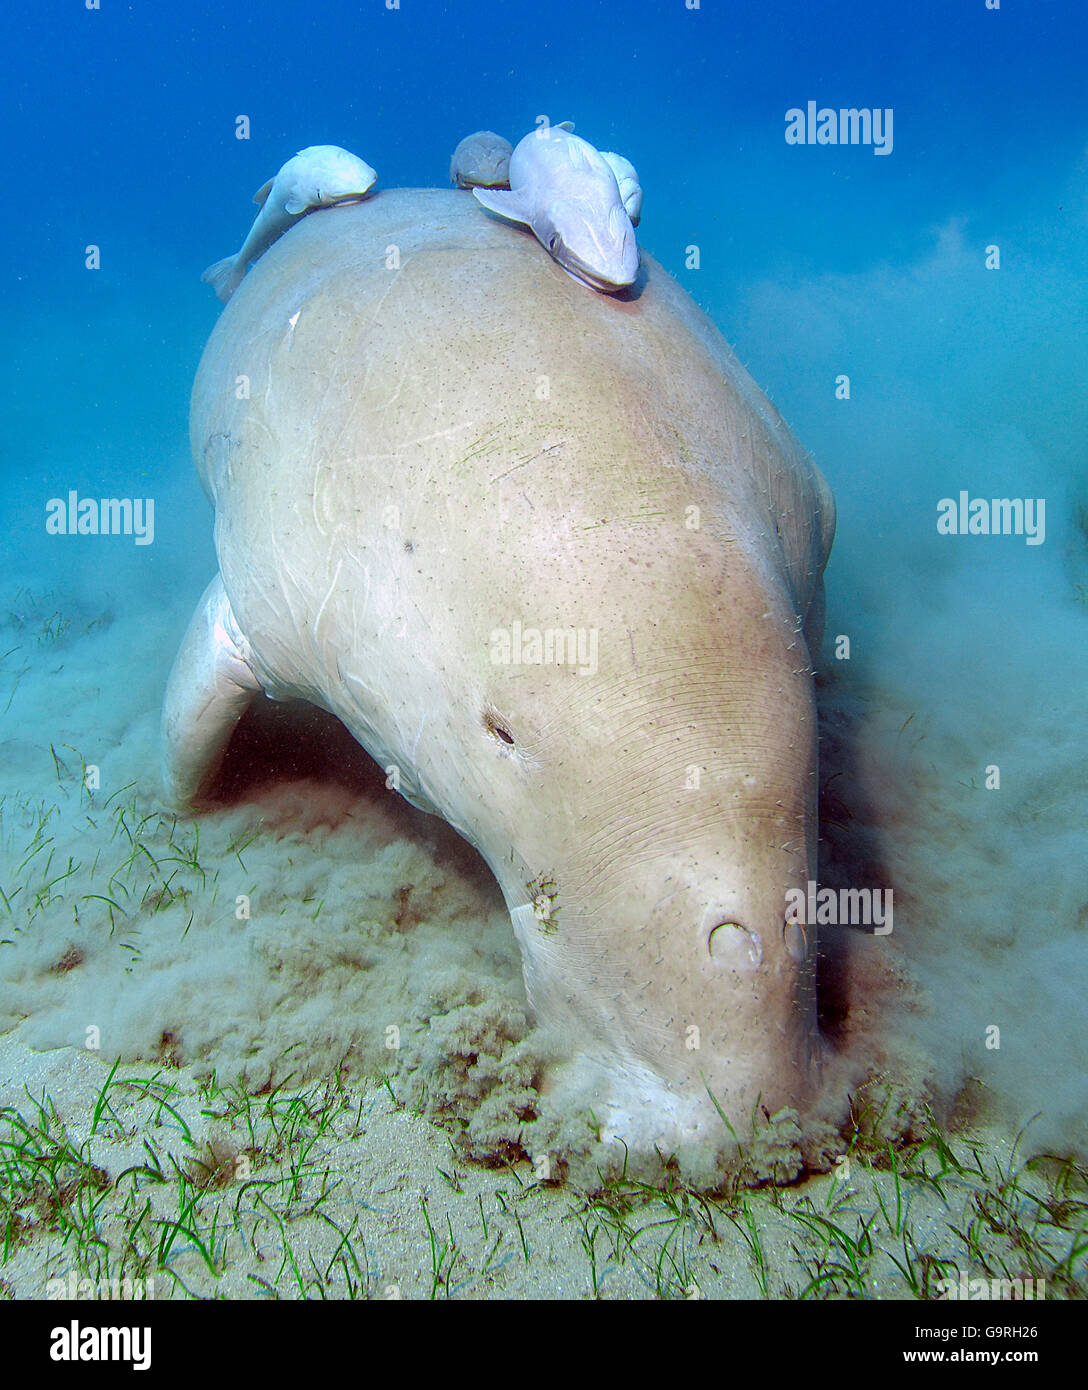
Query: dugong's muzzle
{"points": [[662, 934]]}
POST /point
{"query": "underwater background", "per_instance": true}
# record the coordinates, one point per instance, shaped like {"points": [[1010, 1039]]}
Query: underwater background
{"points": [[944, 278]]}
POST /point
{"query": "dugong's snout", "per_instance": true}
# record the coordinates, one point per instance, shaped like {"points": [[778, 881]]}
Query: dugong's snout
{"points": [[746, 970], [702, 992]]}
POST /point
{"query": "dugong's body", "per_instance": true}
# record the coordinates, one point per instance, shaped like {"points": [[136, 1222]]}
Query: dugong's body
{"points": [[554, 558]]}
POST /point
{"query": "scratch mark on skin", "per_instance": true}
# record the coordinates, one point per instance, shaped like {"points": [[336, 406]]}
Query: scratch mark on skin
{"points": [[374, 309], [547, 451], [325, 600], [437, 434], [295, 608], [366, 591], [313, 503], [358, 680]]}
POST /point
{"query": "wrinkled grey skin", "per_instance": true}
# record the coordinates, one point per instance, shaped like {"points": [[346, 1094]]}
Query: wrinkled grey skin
{"points": [[481, 160], [398, 491]]}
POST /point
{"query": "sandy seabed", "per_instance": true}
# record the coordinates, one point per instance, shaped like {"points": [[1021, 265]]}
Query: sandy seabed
{"points": [[281, 1049]]}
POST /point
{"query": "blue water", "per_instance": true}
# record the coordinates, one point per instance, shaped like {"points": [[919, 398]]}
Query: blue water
{"points": [[119, 131], [816, 261]]}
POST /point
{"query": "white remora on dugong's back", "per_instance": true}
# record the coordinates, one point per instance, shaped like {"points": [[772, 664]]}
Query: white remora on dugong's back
{"points": [[566, 193], [317, 177], [578, 622], [481, 160], [629, 186]]}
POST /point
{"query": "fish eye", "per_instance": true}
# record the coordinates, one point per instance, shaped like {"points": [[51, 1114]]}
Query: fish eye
{"points": [[553, 241]]}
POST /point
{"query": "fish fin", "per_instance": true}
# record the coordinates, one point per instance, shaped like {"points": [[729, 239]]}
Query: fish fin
{"points": [[263, 192], [504, 202], [295, 205], [223, 277]]}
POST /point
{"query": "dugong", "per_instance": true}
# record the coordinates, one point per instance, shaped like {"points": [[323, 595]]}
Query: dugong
{"points": [[566, 193], [317, 177], [556, 563], [481, 160]]}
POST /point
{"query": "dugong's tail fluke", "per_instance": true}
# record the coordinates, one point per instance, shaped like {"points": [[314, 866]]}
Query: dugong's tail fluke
{"points": [[223, 277], [210, 687]]}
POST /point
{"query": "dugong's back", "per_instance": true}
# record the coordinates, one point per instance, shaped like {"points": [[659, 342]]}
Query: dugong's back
{"points": [[428, 448], [411, 351]]}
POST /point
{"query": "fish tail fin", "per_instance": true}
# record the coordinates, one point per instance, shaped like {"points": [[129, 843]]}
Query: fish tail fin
{"points": [[223, 277]]}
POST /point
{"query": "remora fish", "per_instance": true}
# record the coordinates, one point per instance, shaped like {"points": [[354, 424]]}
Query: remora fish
{"points": [[627, 178], [566, 193], [481, 159], [317, 177]]}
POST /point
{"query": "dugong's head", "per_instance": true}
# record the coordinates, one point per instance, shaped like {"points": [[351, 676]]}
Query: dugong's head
{"points": [[592, 240], [650, 793], [322, 175]]}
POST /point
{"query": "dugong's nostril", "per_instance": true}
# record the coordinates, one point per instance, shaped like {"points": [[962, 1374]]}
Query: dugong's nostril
{"points": [[795, 938], [733, 940], [722, 926]]}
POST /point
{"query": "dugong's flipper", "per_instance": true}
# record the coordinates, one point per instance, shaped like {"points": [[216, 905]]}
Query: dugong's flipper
{"points": [[210, 686]]}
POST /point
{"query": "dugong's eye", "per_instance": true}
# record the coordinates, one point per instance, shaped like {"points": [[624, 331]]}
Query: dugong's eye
{"points": [[553, 241]]}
